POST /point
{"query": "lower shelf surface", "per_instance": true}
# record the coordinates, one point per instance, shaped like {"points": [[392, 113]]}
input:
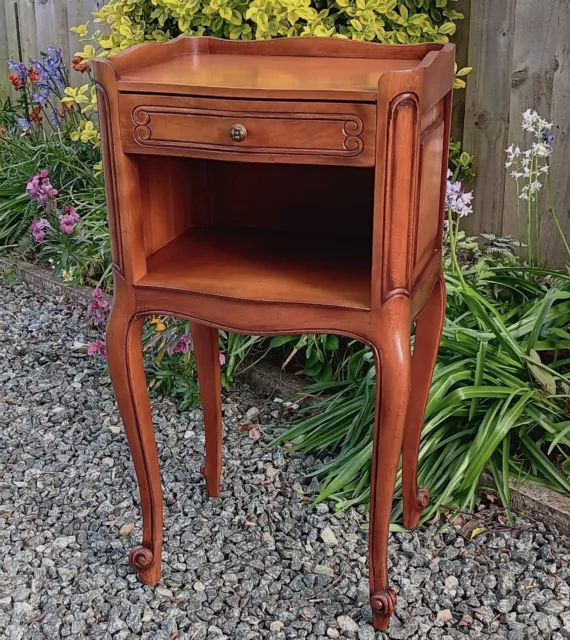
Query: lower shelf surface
{"points": [[264, 265]]}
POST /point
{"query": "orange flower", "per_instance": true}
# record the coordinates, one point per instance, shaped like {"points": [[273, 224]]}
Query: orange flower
{"points": [[3, 131], [65, 109], [15, 81], [80, 65], [36, 114], [33, 75]]}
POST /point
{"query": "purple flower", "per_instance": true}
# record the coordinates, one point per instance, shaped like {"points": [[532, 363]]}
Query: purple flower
{"points": [[38, 229], [183, 345], [98, 308], [97, 348], [39, 188], [24, 124], [55, 67], [41, 96], [54, 118], [68, 220], [457, 200], [546, 137], [222, 359], [18, 68], [51, 75], [48, 77]]}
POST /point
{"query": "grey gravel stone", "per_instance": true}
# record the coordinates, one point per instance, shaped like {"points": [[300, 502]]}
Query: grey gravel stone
{"points": [[366, 632], [346, 623], [14, 632], [256, 563], [328, 537]]}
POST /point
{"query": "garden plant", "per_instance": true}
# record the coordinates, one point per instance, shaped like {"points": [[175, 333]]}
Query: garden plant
{"points": [[501, 387]]}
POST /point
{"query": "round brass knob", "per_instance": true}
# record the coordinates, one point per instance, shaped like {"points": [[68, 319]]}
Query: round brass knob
{"points": [[238, 132]]}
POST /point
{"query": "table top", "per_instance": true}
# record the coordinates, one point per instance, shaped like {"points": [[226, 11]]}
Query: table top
{"points": [[246, 76], [292, 68]]}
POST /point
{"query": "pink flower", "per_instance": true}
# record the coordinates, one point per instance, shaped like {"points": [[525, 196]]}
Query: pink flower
{"points": [[98, 308], [38, 229], [97, 348], [68, 221], [183, 345], [222, 359], [39, 188]]}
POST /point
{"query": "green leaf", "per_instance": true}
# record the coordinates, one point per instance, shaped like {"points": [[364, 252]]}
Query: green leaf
{"points": [[225, 13], [465, 71], [448, 28], [544, 377], [278, 341], [479, 372], [331, 343], [312, 370]]}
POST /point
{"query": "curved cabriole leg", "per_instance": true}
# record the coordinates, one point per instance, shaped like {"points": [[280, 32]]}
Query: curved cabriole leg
{"points": [[392, 354], [428, 334], [124, 355], [206, 352]]}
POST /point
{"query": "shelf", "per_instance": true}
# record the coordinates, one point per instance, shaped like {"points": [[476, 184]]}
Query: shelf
{"points": [[264, 265]]}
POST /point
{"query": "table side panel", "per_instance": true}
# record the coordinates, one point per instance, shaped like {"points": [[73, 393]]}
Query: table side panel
{"points": [[428, 220], [297, 132]]}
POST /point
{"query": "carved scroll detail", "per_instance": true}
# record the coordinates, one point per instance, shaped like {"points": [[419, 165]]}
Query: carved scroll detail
{"points": [[141, 557], [142, 119], [383, 602], [353, 129]]}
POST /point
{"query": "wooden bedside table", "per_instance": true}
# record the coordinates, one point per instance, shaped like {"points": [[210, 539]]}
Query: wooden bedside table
{"points": [[279, 187]]}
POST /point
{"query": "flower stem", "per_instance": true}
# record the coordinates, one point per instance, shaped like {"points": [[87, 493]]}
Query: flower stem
{"points": [[536, 215], [453, 246], [519, 223]]}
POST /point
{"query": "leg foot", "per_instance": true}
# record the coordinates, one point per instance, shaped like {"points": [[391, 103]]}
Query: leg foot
{"points": [[383, 604], [392, 355], [428, 333], [206, 352], [141, 559], [127, 374]]}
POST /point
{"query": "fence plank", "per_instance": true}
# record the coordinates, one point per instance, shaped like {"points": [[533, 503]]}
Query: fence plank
{"points": [[11, 35], [540, 80], [28, 33], [487, 107], [553, 248], [461, 40], [79, 12], [4, 83], [11, 46], [51, 26]]}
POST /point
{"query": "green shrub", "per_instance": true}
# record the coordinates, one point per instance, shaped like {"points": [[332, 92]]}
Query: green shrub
{"points": [[128, 22]]}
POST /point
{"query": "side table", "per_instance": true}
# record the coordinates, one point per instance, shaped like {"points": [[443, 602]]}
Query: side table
{"points": [[279, 187]]}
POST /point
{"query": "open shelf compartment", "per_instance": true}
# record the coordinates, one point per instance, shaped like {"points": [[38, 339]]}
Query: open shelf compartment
{"points": [[262, 232]]}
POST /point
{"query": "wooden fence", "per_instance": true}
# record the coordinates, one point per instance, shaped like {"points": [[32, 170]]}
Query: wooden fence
{"points": [[520, 52], [40, 23]]}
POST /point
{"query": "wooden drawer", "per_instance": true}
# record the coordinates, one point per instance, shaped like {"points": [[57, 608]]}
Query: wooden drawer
{"points": [[252, 131]]}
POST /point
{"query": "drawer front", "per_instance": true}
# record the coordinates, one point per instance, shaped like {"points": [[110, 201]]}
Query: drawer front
{"points": [[254, 131]]}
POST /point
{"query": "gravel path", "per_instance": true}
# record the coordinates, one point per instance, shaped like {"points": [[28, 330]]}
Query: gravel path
{"points": [[257, 563]]}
